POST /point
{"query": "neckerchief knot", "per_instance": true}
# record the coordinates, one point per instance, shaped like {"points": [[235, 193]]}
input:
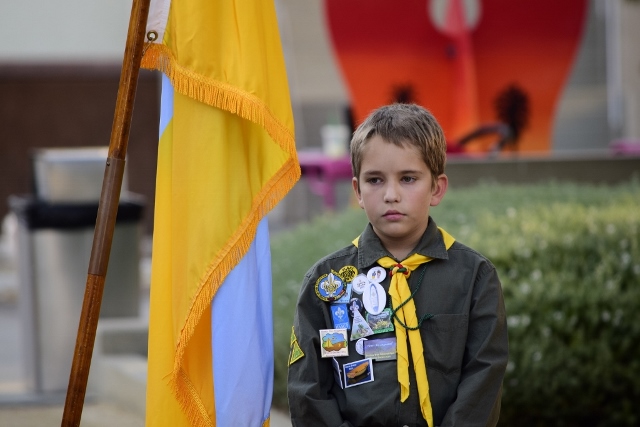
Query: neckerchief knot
{"points": [[399, 268], [404, 310]]}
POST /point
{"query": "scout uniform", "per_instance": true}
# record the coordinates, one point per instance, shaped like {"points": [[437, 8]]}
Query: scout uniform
{"points": [[343, 363]]}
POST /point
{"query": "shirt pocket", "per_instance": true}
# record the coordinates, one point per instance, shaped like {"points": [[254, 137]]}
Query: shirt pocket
{"points": [[444, 337]]}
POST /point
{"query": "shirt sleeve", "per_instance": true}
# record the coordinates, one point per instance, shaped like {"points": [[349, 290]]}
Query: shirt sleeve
{"points": [[311, 377], [486, 355]]}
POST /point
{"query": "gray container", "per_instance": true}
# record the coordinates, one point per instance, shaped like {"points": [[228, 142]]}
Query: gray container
{"points": [[54, 239], [70, 175], [52, 269]]}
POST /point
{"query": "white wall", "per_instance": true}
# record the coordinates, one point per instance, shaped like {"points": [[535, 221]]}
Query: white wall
{"points": [[630, 38], [63, 31], [313, 72]]}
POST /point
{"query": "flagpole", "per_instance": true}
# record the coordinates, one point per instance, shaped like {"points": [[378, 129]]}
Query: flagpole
{"points": [[106, 218]]}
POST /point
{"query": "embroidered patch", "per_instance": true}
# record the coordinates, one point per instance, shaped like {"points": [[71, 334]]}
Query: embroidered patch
{"points": [[295, 352], [330, 287], [348, 272]]}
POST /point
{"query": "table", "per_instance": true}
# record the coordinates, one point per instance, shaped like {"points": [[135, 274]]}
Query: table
{"points": [[322, 173]]}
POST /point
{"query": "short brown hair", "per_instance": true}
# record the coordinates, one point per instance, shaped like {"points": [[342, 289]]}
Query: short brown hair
{"points": [[402, 124]]}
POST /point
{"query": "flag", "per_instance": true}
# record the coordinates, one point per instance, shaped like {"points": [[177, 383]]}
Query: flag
{"points": [[226, 156]]}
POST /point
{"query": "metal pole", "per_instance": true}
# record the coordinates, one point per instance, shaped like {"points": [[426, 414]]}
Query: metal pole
{"points": [[107, 211]]}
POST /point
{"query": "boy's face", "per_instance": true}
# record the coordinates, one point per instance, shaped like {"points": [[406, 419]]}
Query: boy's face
{"points": [[396, 190]]}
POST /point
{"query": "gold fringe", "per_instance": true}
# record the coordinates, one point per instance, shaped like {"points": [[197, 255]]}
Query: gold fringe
{"points": [[251, 108], [218, 94], [194, 409]]}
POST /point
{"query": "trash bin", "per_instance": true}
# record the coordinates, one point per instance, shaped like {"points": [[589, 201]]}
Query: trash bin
{"points": [[54, 241]]}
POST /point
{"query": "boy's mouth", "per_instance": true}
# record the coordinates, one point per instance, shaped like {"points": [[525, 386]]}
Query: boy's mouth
{"points": [[392, 215]]}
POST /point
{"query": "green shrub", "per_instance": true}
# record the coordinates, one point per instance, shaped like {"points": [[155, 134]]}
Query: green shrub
{"points": [[569, 260], [293, 253]]}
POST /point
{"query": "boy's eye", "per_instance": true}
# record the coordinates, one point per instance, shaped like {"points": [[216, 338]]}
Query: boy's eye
{"points": [[408, 179], [374, 180]]}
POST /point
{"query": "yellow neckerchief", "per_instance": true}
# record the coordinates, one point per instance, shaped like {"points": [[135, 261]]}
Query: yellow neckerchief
{"points": [[406, 315]]}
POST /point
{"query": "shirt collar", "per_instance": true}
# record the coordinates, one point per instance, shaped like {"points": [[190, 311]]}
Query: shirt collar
{"points": [[370, 248]]}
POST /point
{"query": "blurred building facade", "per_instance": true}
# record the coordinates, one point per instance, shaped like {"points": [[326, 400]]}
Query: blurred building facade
{"points": [[60, 67]]}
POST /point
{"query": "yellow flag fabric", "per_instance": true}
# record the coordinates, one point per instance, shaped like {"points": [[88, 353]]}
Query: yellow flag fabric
{"points": [[226, 157]]}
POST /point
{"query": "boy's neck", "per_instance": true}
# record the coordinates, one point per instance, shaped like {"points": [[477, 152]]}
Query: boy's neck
{"points": [[399, 254], [399, 249]]}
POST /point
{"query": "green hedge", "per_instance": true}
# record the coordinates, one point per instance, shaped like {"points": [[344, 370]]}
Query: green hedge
{"points": [[569, 260]]}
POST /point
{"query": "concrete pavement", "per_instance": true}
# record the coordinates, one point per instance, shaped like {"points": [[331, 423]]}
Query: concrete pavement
{"points": [[117, 383]]}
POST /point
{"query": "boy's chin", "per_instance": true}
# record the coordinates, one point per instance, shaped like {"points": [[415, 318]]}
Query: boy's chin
{"points": [[394, 231]]}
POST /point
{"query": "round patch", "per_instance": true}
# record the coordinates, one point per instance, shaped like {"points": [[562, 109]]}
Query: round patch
{"points": [[329, 287], [359, 283], [348, 272], [360, 346], [376, 274], [355, 305], [374, 298]]}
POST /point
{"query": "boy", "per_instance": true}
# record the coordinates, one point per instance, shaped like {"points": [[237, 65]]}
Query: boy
{"points": [[425, 338]]}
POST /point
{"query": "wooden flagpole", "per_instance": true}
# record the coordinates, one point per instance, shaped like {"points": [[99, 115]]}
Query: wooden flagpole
{"points": [[107, 211]]}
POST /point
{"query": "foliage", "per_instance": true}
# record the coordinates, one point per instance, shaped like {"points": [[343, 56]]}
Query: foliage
{"points": [[569, 260], [293, 252]]}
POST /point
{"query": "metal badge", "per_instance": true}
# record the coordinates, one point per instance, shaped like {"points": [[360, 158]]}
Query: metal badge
{"points": [[374, 298], [359, 283], [376, 274]]}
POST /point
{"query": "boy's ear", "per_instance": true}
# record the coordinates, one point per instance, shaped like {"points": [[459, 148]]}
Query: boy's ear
{"points": [[356, 190], [439, 189]]}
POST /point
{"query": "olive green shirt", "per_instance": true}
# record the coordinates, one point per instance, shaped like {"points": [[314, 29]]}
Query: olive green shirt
{"points": [[465, 343]]}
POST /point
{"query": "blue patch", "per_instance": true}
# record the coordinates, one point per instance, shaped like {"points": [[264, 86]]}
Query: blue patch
{"points": [[340, 316], [346, 297], [330, 287]]}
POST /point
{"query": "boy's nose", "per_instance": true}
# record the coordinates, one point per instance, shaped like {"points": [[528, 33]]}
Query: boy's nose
{"points": [[391, 194]]}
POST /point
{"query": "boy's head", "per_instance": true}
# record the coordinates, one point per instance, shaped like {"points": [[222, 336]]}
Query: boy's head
{"points": [[398, 157], [402, 124]]}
